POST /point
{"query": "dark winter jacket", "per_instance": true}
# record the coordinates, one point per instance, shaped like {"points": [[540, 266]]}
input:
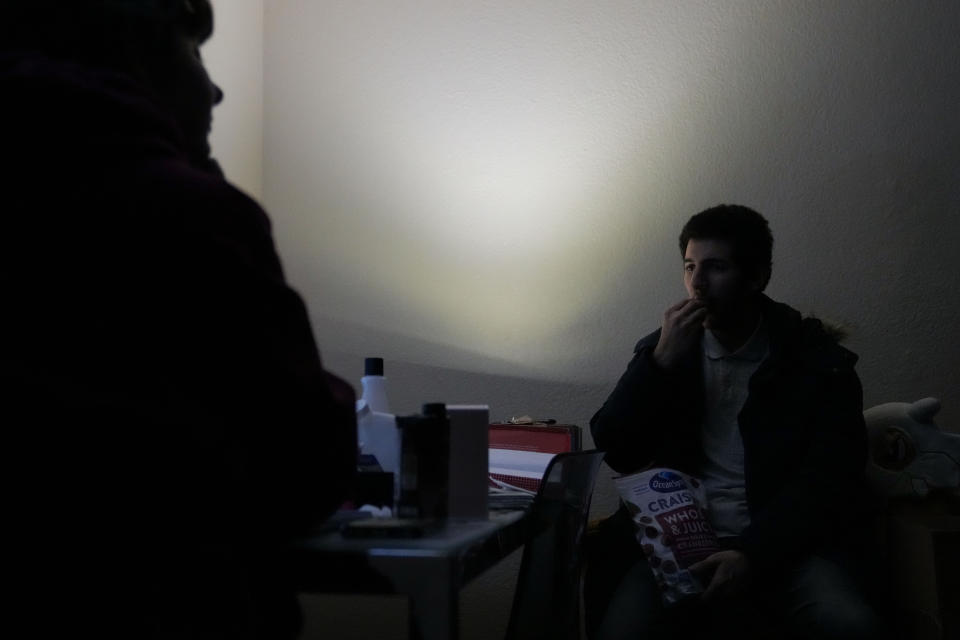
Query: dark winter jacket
{"points": [[802, 428], [164, 403]]}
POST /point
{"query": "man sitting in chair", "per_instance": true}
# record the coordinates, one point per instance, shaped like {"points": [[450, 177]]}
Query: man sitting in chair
{"points": [[765, 407]]}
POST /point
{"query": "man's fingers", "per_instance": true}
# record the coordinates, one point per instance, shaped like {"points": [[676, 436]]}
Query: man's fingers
{"points": [[684, 311], [691, 308], [685, 305], [708, 563], [690, 320], [729, 573], [692, 304], [682, 326], [718, 584], [710, 591], [678, 306], [698, 313]]}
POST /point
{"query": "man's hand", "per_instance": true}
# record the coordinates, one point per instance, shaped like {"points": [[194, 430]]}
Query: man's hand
{"points": [[730, 570], [682, 328]]}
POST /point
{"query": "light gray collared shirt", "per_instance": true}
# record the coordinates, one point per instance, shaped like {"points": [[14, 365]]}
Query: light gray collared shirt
{"points": [[726, 377]]}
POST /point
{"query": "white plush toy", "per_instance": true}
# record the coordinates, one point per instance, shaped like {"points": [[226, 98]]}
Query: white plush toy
{"points": [[909, 454]]}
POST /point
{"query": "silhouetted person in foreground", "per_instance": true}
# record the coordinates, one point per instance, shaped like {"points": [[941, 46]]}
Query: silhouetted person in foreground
{"points": [[168, 423], [766, 409]]}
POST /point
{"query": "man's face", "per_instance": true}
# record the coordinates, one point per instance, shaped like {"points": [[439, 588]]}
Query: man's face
{"points": [[710, 274], [188, 93]]}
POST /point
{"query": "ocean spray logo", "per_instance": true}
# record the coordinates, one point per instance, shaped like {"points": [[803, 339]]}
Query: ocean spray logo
{"points": [[667, 481]]}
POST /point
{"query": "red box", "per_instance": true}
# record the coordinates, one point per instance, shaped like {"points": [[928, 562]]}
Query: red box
{"points": [[520, 453]]}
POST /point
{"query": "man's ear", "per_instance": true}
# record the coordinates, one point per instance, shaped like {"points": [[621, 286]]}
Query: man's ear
{"points": [[759, 279]]}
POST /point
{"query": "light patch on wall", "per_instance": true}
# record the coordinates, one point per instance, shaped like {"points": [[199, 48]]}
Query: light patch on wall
{"points": [[472, 181], [477, 174]]}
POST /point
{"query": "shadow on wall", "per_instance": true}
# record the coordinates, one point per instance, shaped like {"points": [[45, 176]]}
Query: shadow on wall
{"points": [[410, 385], [420, 371], [414, 378]]}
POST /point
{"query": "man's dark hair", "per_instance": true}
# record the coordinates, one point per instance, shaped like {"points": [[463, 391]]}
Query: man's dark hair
{"points": [[746, 230], [121, 34]]}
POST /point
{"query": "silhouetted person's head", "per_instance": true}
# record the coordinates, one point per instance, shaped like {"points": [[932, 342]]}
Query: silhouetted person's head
{"points": [[745, 230], [154, 41]]}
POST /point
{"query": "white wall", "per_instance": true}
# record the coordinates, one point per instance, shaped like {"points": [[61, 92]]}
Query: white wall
{"points": [[488, 193], [496, 188], [234, 59]]}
